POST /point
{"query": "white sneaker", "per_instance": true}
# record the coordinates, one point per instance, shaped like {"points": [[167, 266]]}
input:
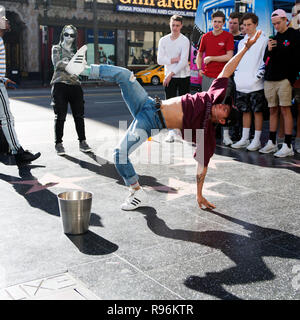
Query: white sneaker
{"points": [[78, 63], [227, 141], [170, 137], [269, 147], [285, 151], [135, 200], [254, 145], [240, 144]]}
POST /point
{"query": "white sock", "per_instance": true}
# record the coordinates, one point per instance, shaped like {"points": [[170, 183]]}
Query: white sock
{"points": [[245, 134], [257, 135], [134, 186], [226, 133]]}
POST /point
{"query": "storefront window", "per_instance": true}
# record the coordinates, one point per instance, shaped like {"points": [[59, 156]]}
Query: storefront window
{"points": [[106, 41], [140, 46]]}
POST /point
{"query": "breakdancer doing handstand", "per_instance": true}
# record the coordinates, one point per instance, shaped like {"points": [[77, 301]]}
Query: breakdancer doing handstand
{"points": [[201, 111]]}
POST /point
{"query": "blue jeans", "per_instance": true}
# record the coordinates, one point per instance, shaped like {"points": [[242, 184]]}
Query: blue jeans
{"points": [[141, 106]]}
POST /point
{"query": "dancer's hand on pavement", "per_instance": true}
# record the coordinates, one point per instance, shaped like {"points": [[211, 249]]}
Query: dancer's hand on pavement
{"points": [[250, 42], [202, 201]]}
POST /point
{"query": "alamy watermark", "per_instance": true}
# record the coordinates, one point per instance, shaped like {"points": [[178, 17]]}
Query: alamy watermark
{"points": [[134, 143]]}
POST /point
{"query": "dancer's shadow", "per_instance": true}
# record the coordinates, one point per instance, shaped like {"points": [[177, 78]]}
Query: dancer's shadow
{"points": [[103, 166], [92, 244], [41, 198], [108, 169], [249, 264]]}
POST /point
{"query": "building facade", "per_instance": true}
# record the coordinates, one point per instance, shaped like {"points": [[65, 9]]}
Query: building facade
{"points": [[128, 31]]}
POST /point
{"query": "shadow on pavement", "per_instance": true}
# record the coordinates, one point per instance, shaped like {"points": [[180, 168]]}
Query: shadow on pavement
{"points": [[259, 159], [108, 169], [244, 251], [40, 198], [92, 244]]}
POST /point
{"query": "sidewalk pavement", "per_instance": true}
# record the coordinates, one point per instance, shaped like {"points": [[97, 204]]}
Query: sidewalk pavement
{"points": [[248, 248]]}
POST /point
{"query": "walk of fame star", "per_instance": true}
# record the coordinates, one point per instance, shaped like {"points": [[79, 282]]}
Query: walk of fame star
{"points": [[49, 180], [177, 189]]}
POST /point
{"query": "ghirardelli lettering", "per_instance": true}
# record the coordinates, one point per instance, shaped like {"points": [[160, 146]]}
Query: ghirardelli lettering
{"points": [[174, 4]]}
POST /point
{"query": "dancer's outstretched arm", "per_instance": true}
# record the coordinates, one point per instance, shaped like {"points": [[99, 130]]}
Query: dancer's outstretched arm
{"points": [[232, 64], [201, 173]]}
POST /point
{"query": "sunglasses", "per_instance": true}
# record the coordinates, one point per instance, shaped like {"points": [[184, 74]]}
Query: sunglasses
{"points": [[72, 35]]}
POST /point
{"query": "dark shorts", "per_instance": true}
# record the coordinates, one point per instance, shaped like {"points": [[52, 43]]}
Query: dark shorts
{"points": [[253, 101]]}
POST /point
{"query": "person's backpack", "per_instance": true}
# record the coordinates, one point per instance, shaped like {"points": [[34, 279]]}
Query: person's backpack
{"points": [[4, 148]]}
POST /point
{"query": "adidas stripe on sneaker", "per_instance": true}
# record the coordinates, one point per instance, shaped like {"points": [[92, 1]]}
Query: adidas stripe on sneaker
{"points": [[135, 200]]}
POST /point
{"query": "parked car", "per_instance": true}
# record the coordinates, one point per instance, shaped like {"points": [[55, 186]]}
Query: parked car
{"points": [[153, 74]]}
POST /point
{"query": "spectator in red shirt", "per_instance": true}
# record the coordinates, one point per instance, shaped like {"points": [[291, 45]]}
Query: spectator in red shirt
{"points": [[218, 47]]}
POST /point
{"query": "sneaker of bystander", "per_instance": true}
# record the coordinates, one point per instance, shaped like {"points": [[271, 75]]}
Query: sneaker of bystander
{"points": [[285, 151], [269, 147], [84, 147]]}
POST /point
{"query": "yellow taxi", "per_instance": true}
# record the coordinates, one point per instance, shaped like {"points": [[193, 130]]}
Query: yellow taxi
{"points": [[153, 74]]}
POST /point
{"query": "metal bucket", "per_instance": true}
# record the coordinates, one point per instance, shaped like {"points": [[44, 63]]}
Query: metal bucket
{"points": [[75, 211]]}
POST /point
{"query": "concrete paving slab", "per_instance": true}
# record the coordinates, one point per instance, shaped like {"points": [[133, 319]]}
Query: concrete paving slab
{"points": [[248, 248]]}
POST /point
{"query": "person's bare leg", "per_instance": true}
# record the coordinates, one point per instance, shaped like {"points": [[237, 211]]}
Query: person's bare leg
{"points": [[258, 116], [287, 119], [273, 119], [247, 120], [281, 129]]}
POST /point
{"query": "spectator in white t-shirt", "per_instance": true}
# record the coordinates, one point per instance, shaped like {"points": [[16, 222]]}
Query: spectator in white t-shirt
{"points": [[250, 84], [173, 53]]}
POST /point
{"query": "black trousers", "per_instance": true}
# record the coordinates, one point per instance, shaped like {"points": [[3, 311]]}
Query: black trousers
{"points": [[61, 95], [177, 87]]}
